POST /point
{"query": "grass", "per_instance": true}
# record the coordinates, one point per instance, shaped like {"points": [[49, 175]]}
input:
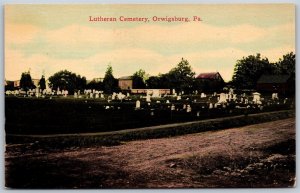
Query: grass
{"points": [[116, 137]]}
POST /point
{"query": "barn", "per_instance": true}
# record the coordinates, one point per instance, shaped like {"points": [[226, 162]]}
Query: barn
{"points": [[210, 81], [275, 83]]}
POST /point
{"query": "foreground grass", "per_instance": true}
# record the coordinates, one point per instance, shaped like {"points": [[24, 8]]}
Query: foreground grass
{"points": [[61, 141]]}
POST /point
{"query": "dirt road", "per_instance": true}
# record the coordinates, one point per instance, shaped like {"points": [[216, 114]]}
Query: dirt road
{"points": [[261, 155]]}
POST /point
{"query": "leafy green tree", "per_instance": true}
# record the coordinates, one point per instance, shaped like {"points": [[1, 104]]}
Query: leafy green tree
{"points": [[181, 77], [138, 79], [154, 82], [248, 70], [66, 80], [110, 84], [26, 81], [95, 85], [287, 65], [42, 83]]}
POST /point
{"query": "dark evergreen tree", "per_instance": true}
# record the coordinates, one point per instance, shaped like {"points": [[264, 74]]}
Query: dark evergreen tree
{"points": [[26, 81], [110, 84], [42, 83]]}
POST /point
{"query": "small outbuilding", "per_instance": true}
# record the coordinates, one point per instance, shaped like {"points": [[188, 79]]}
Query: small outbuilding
{"points": [[275, 84], [126, 82]]}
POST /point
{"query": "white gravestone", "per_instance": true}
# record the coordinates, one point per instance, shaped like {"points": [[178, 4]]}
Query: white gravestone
{"points": [[256, 98], [188, 109], [222, 98], [274, 96], [137, 104], [148, 98]]}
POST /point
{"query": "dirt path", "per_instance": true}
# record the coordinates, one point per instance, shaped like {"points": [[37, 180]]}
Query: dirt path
{"points": [[261, 155]]}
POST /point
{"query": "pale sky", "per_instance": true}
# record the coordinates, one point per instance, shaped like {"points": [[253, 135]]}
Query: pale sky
{"points": [[50, 38]]}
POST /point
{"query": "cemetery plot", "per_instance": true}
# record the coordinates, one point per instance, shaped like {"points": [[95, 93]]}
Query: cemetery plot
{"points": [[37, 112]]}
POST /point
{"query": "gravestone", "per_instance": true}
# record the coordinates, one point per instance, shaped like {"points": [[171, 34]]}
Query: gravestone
{"points": [[234, 97], [120, 96], [137, 104], [174, 92], [222, 98], [256, 98], [66, 93], [189, 109], [274, 96], [172, 107], [148, 98], [113, 96]]}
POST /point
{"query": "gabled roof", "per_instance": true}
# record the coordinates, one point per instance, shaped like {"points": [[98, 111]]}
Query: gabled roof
{"points": [[273, 78], [208, 75], [125, 78]]}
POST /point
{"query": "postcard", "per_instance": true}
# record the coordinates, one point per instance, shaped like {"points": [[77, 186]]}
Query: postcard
{"points": [[102, 96]]}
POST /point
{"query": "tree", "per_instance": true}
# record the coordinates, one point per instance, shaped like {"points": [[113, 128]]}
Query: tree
{"points": [[287, 65], [110, 84], [248, 70], [42, 83], [138, 79], [95, 85], [66, 80], [153, 82], [26, 81], [181, 77]]}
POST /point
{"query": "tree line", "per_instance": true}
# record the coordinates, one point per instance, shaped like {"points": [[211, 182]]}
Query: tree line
{"points": [[181, 78]]}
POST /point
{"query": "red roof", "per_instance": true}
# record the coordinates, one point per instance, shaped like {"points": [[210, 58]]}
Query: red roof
{"points": [[209, 75]]}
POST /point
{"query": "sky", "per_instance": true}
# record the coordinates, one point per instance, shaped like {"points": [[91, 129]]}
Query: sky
{"points": [[45, 39]]}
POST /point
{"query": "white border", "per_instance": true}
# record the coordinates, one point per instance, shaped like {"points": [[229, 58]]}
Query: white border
{"points": [[2, 115]]}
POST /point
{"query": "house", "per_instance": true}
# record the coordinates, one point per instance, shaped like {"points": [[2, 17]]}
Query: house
{"points": [[125, 82], [275, 83], [210, 81]]}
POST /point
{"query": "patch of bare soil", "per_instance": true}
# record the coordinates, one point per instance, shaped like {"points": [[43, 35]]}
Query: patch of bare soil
{"points": [[261, 155]]}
